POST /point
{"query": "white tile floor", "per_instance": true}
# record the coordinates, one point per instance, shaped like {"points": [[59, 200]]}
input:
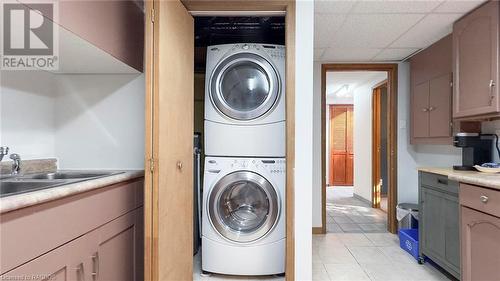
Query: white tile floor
{"points": [[361, 249], [366, 253], [347, 214]]}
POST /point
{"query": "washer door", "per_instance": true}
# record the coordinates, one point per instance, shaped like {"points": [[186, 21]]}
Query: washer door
{"points": [[243, 206], [244, 86]]}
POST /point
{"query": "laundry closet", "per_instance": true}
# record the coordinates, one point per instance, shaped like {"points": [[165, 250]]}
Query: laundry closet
{"points": [[239, 225]]}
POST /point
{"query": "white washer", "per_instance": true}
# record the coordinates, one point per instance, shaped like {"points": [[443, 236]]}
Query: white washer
{"points": [[245, 100], [243, 231]]}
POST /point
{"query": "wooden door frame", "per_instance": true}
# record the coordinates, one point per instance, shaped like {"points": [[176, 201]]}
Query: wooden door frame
{"points": [[329, 148], [228, 7], [376, 137], [392, 92]]}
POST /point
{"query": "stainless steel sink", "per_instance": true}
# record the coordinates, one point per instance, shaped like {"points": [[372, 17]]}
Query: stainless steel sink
{"points": [[26, 183], [69, 175], [16, 187]]}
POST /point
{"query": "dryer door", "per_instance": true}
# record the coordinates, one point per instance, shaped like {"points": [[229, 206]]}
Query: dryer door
{"points": [[244, 86], [243, 206]]}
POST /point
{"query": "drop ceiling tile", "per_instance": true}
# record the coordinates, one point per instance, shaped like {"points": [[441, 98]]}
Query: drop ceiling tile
{"points": [[349, 54], [394, 54], [333, 6], [389, 7], [373, 31], [325, 27], [429, 30], [458, 6], [318, 53]]}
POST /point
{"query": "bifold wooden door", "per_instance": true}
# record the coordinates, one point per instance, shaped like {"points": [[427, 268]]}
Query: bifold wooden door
{"points": [[341, 145], [169, 141]]}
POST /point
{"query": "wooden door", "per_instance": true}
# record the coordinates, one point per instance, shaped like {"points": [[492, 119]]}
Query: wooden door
{"points": [[169, 142], [341, 145], [480, 234], [420, 110], [440, 106], [475, 60], [119, 245]]}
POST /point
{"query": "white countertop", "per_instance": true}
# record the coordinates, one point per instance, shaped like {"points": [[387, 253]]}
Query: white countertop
{"points": [[470, 177], [14, 202]]}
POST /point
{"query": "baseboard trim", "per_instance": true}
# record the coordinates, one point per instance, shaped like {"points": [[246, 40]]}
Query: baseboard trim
{"points": [[368, 202], [317, 230]]}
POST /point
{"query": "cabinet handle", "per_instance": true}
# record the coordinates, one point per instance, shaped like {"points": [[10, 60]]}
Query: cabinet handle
{"points": [[442, 181], [95, 265], [425, 109], [432, 108], [179, 165], [484, 198], [79, 271], [492, 96]]}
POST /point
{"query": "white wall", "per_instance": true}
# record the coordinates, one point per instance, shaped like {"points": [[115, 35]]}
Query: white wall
{"points": [[27, 123], [86, 121], [316, 188], [100, 121], [304, 114], [363, 97]]}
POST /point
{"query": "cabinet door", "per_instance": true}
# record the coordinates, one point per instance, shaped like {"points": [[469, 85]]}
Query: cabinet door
{"points": [[70, 262], [475, 62], [420, 110], [118, 253], [480, 246], [439, 229], [440, 106], [433, 223]]}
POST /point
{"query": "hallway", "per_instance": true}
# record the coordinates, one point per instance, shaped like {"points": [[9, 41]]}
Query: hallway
{"points": [[360, 248], [348, 214]]}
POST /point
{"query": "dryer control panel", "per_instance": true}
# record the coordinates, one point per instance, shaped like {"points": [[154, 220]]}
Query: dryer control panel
{"points": [[275, 51]]}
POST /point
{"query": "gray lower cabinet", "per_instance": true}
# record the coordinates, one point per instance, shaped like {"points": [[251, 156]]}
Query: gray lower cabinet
{"points": [[439, 221]]}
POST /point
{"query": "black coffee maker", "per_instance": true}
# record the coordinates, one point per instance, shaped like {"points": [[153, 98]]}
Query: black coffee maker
{"points": [[476, 150]]}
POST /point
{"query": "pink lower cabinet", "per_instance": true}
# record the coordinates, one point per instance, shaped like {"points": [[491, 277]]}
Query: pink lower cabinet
{"points": [[480, 233], [107, 245], [119, 249]]}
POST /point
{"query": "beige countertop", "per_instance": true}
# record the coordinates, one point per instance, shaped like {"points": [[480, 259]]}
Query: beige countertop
{"points": [[470, 177], [14, 202]]}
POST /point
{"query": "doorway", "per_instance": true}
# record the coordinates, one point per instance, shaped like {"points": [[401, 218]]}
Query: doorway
{"points": [[170, 125], [379, 147], [361, 195]]}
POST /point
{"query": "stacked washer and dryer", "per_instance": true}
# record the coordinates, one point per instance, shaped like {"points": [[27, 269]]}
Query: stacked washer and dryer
{"points": [[243, 219]]}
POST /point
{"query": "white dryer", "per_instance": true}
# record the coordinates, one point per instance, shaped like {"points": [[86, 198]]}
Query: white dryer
{"points": [[243, 231], [245, 100]]}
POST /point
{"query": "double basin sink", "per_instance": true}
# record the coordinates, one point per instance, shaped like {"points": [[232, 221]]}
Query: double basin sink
{"points": [[12, 185]]}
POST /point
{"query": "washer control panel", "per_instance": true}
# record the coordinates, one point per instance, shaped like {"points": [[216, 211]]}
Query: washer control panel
{"points": [[273, 166]]}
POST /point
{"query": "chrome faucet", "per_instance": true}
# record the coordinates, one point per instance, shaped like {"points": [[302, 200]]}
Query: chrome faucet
{"points": [[4, 150], [16, 165]]}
